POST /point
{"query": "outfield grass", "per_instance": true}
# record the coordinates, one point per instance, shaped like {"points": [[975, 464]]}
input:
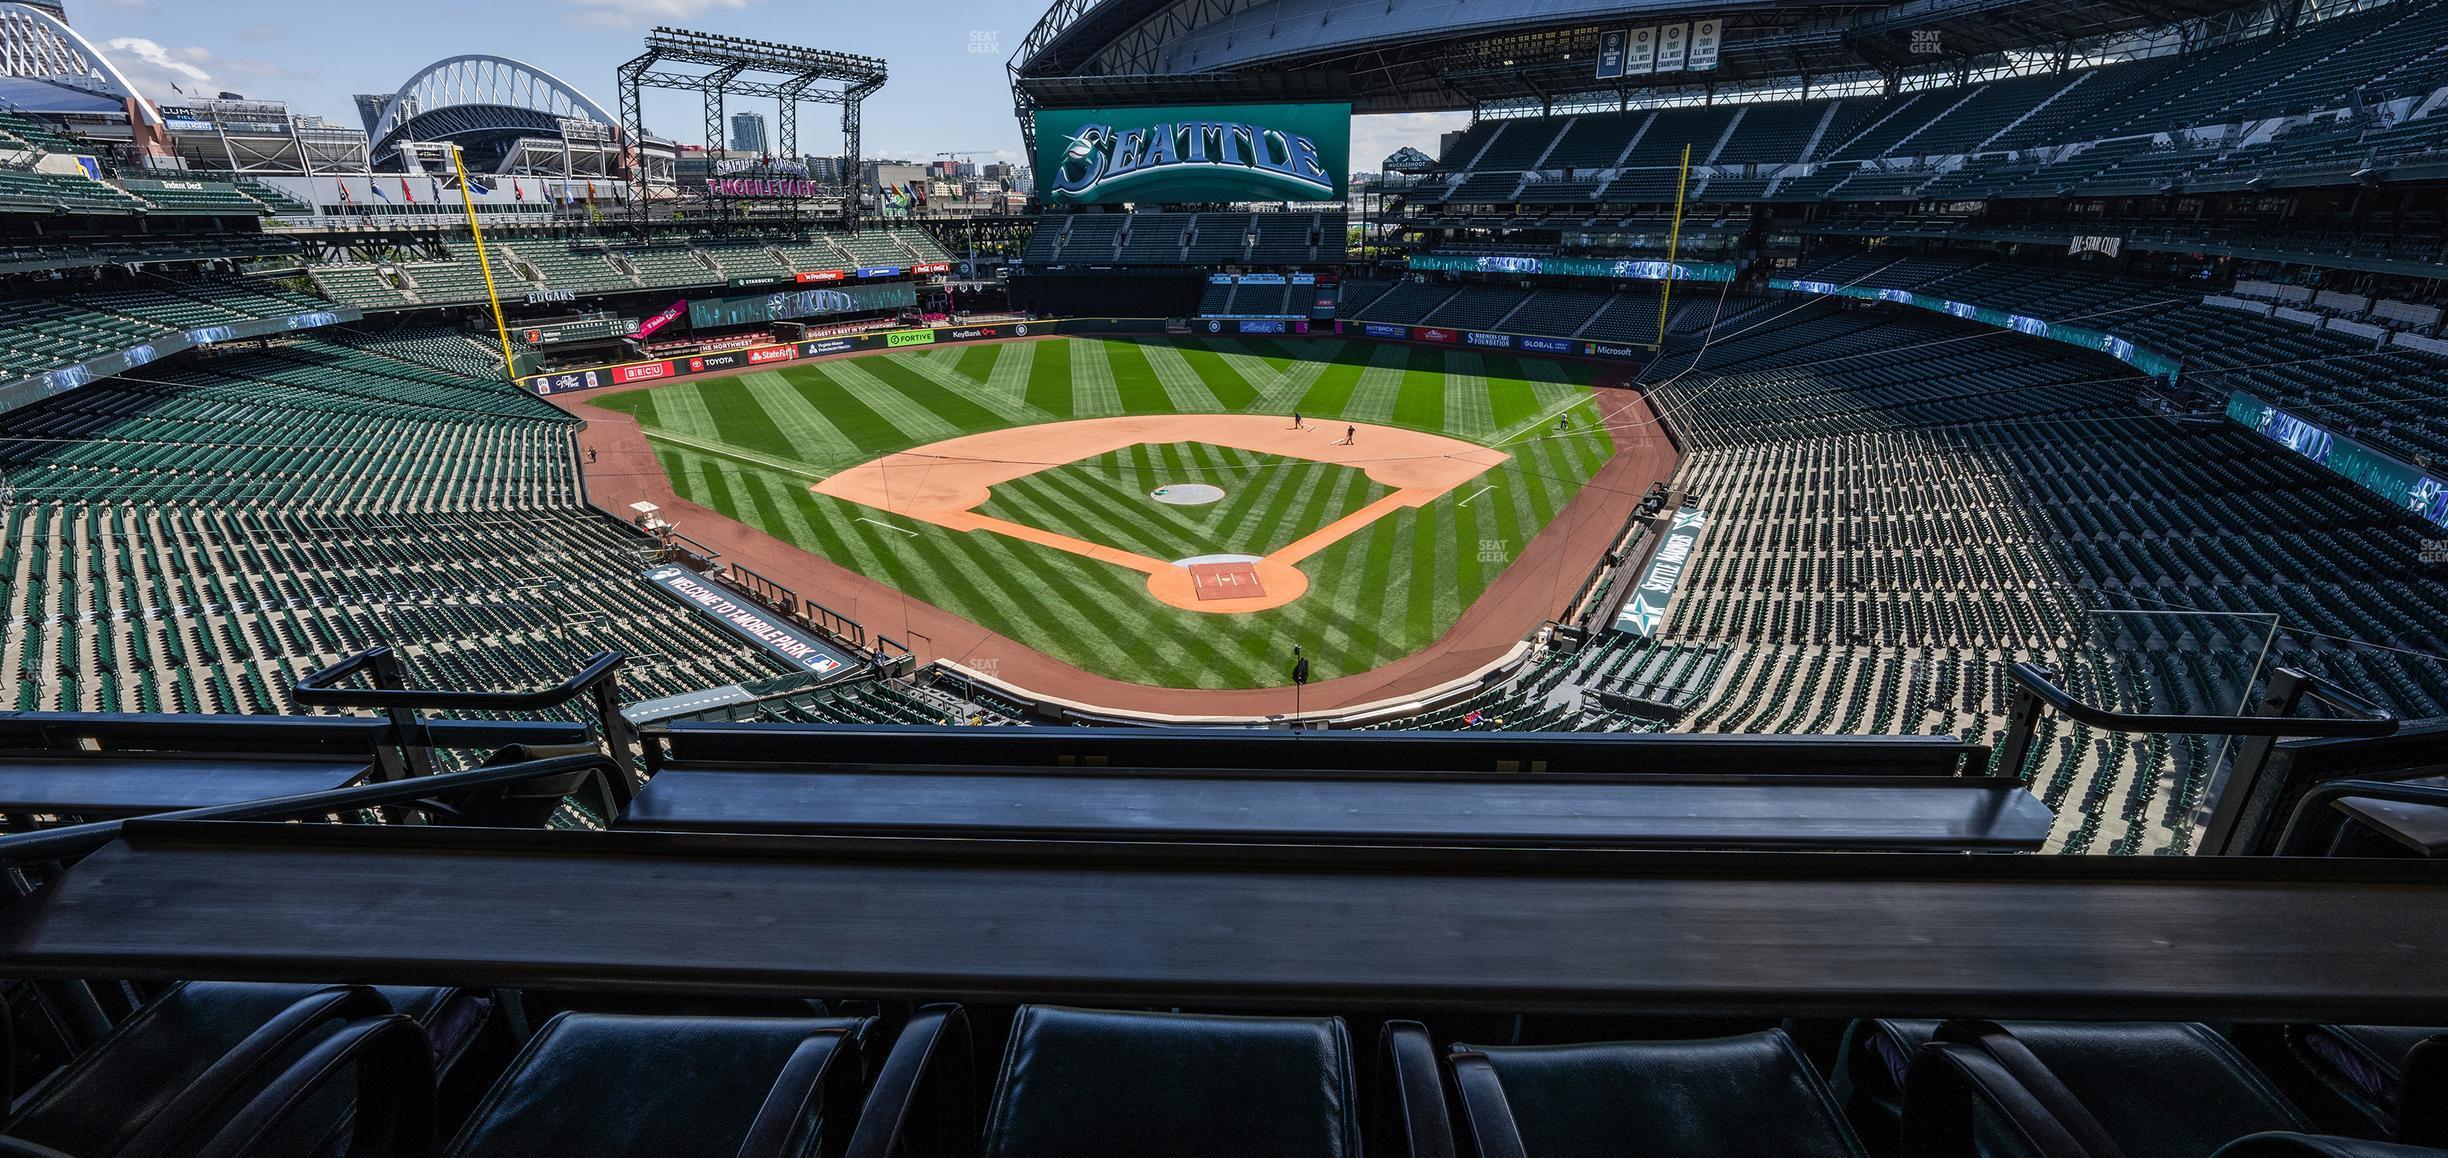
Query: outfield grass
{"points": [[750, 446]]}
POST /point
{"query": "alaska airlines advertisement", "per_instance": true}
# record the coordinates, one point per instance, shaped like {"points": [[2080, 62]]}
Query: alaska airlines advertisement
{"points": [[1193, 153]]}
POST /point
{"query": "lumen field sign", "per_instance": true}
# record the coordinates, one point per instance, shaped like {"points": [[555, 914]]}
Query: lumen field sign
{"points": [[1193, 153]]}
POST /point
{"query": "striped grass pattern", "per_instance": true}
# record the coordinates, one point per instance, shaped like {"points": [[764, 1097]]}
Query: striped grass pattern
{"points": [[1269, 501], [750, 446]]}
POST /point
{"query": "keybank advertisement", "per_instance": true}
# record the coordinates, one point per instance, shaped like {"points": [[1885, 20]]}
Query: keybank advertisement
{"points": [[1626, 268], [2421, 495], [2148, 361], [1193, 153], [782, 306]]}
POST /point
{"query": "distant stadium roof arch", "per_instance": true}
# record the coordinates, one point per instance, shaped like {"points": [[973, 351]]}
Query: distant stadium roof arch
{"points": [[35, 44], [484, 103]]}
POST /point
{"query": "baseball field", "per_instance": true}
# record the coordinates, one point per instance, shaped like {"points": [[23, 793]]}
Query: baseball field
{"points": [[1147, 509]]}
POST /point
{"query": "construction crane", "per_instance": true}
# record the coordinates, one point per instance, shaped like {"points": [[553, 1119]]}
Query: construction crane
{"points": [[970, 266]]}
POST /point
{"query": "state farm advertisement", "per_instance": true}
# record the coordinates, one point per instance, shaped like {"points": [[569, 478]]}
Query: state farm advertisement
{"points": [[772, 354]]}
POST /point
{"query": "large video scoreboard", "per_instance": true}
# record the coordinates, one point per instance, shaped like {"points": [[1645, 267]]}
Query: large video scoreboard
{"points": [[1294, 152]]}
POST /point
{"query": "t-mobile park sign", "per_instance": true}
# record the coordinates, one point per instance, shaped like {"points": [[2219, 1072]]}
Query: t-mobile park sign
{"points": [[1645, 611], [748, 621]]}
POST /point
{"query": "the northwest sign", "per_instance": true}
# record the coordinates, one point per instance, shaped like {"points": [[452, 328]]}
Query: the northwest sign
{"points": [[1292, 152]]}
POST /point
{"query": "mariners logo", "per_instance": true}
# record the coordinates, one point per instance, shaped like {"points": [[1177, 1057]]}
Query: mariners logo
{"points": [[1174, 160]]}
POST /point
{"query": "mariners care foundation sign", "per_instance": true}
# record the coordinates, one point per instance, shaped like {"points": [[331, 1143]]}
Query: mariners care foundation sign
{"points": [[1193, 153]]}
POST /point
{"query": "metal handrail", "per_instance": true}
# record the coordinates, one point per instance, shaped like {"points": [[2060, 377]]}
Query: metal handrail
{"points": [[2370, 720], [2299, 822], [599, 679], [79, 839], [320, 688]]}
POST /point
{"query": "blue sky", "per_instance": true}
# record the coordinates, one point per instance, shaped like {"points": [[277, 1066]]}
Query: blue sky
{"points": [[947, 90]]}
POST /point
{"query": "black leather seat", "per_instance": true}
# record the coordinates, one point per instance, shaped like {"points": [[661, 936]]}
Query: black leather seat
{"points": [[1082, 1083], [2291, 1145], [2364, 1070], [673, 1087], [2166, 1090], [1755, 1095], [166, 1078]]}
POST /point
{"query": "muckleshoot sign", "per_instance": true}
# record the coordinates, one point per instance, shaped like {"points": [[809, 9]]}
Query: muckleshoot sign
{"points": [[1193, 153]]}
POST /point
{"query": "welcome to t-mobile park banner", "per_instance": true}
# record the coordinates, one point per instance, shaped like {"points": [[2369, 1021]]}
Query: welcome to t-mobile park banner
{"points": [[801, 649]]}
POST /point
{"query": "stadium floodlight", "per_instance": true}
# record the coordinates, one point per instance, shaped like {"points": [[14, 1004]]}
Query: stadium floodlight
{"points": [[725, 66]]}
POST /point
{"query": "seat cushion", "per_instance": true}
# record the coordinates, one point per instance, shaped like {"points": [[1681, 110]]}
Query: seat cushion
{"points": [[2291, 1145], [675, 1087], [1754, 1095], [2166, 1089], [1080, 1083], [101, 1100], [1870, 1073], [2364, 1065]]}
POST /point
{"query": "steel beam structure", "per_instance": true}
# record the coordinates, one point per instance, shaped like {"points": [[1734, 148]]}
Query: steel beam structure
{"points": [[739, 66]]}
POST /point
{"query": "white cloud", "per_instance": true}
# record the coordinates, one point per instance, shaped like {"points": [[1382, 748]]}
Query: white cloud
{"points": [[1374, 138], [641, 13], [154, 68]]}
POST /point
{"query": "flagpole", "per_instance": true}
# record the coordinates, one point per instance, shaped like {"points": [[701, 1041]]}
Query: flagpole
{"points": [[484, 262]]}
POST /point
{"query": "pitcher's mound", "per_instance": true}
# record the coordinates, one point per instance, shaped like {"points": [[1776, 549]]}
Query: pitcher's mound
{"points": [[1187, 494]]}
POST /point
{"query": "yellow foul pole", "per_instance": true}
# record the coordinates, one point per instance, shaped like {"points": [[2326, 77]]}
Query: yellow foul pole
{"points": [[485, 262], [1674, 238]]}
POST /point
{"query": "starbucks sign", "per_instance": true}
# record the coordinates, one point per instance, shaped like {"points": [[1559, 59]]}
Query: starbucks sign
{"points": [[1193, 153]]}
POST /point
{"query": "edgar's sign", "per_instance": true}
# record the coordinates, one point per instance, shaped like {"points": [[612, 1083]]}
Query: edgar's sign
{"points": [[1214, 153]]}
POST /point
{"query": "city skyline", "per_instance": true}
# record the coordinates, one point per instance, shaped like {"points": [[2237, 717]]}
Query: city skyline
{"points": [[948, 92]]}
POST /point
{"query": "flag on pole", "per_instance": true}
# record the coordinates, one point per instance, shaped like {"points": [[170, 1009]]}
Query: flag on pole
{"points": [[379, 195], [518, 189], [407, 192], [345, 199]]}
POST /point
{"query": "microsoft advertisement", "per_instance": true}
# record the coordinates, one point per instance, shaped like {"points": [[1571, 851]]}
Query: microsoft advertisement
{"points": [[1193, 153], [751, 309]]}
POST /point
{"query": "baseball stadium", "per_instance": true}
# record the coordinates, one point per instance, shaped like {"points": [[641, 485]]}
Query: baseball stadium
{"points": [[1862, 579]]}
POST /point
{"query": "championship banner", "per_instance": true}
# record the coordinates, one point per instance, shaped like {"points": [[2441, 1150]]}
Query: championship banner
{"points": [[1645, 611], [1705, 35], [1611, 54], [1640, 53], [1672, 39], [1290, 152]]}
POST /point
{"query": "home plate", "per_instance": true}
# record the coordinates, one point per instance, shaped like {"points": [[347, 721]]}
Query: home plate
{"points": [[1234, 580]]}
